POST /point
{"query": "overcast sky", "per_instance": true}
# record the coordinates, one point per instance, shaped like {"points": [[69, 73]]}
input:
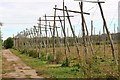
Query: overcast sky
{"points": [[17, 15]]}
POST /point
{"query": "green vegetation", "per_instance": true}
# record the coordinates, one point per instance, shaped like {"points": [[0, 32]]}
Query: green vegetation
{"points": [[8, 43], [100, 67], [28, 76]]}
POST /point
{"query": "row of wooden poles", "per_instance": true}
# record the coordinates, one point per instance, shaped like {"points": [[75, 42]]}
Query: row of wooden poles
{"points": [[35, 36]]}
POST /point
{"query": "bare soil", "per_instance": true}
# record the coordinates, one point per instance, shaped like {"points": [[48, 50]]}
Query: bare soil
{"points": [[14, 67]]}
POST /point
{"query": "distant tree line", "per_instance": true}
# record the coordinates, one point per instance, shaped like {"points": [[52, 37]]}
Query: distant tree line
{"points": [[8, 43]]}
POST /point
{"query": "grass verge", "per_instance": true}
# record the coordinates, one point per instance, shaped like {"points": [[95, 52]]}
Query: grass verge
{"points": [[99, 69]]}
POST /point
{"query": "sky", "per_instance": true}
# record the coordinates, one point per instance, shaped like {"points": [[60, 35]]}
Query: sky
{"points": [[17, 15]]}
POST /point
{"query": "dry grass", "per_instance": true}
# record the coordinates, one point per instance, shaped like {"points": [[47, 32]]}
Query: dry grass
{"points": [[7, 67], [99, 51], [100, 66]]}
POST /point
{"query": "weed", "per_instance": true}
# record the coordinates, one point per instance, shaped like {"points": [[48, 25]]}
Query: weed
{"points": [[98, 68], [28, 76], [59, 57], [75, 69], [76, 65], [23, 51], [42, 56], [50, 58], [65, 63], [33, 53]]}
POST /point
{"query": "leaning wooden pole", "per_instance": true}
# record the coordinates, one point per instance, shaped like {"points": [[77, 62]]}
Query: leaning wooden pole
{"points": [[89, 40], [75, 37], [109, 36], [64, 36]]}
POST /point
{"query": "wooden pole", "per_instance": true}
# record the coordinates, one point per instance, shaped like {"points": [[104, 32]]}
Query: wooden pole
{"points": [[17, 40], [51, 33], [50, 29], [72, 11], [68, 32], [99, 39], [94, 38], [37, 43], [114, 29], [23, 40], [39, 26], [28, 41], [83, 29], [35, 37], [30, 38], [76, 40], [104, 39], [54, 53], [57, 38], [89, 40], [46, 38], [91, 29], [109, 36], [61, 38], [65, 37]]}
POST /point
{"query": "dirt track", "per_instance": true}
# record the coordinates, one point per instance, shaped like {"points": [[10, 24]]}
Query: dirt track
{"points": [[20, 69]]}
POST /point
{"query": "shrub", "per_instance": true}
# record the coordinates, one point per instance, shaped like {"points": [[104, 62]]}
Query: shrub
{"points": [[75, 69], [8, 43], [59, 57], [33, 53], [42, 56], [77, 65], [50, 58], [65, 63], [23, 51]]}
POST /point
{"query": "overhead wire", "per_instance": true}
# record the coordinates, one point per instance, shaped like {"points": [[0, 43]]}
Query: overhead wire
{"points": [[91, 8], [94, 12]]}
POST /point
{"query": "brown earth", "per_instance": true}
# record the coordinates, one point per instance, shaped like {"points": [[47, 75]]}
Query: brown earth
{"points": [[14, 67]]}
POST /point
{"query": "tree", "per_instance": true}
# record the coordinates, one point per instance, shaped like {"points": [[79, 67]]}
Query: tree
{"points": [[8, 43]]}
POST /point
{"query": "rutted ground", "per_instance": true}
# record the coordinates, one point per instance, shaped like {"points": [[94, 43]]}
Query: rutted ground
{"points": [[14, 67]]}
